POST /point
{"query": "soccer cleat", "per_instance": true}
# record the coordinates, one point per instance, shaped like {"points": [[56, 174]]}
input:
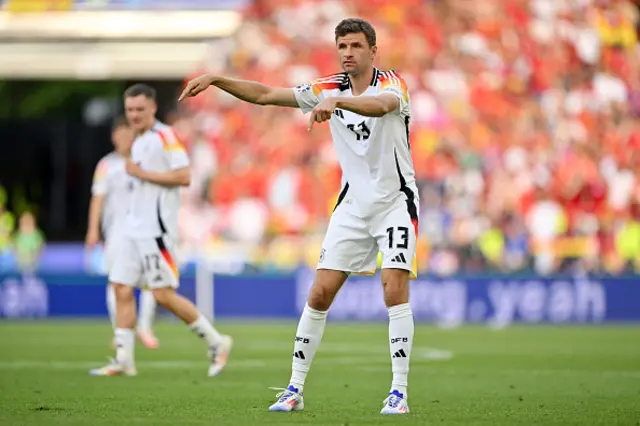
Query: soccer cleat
{"points": [[148, 339], [395, 404], [288, 400], [114, 368], [219, 356]]}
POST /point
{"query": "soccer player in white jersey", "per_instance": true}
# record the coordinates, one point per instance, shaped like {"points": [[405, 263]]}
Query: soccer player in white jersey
{"points": [[108, 210], [377, 211], [158, 167]]}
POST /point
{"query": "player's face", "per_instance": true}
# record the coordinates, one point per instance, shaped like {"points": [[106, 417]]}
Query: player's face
{"points": [[140, 112], [356, 56], [122, 139]]}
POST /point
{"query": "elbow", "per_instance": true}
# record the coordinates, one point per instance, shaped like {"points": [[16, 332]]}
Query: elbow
{"points": [[383, 109], [385, 106]]}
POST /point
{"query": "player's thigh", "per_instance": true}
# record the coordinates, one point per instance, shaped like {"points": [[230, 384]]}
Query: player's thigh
{"points": [[396, 234], [126, 267], [348, 246], [159, 262]]}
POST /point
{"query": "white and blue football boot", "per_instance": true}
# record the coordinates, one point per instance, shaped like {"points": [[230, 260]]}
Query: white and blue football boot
{"points": [[288, 400], [114, 368], [395, 404]]}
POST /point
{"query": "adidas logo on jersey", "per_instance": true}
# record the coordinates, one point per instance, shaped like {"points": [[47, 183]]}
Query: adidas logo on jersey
{"points": [[399, 258], [400, 354], [299, 354]]}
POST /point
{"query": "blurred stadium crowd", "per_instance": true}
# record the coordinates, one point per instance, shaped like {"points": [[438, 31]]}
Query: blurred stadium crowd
{"points": [[525, 134]]}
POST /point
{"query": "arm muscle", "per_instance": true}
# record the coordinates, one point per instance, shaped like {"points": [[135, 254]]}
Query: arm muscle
{"points": [[369, 106], [175, 177], [256, 93]]}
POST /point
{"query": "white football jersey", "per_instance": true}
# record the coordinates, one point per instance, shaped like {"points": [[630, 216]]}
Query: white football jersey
{"points": [[111, 180], [374, 152], [153, 210]]}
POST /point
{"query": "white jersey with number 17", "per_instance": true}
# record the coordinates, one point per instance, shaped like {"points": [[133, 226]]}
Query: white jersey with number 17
{"points": [[374, 152]]}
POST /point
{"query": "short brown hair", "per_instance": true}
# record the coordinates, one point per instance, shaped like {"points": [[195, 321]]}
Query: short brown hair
{"points": [[119, 122], [140, 89], [354, 26]]}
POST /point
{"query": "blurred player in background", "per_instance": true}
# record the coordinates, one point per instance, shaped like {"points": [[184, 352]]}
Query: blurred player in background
{"points": [[368, 111], [157, 168], [108, 208]]}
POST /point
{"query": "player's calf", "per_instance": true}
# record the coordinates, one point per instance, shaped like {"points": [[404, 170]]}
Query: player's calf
{"points": [[145, 319], [401, 328], [219, 345], [124, 335], [308, 337], [125, 324]]}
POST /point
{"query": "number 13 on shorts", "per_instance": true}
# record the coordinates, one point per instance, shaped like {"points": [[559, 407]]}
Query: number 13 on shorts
{"points": [[397, 239]]}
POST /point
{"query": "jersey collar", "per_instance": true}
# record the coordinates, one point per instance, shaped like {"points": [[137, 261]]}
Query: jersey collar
{"points": [[374, 79]]}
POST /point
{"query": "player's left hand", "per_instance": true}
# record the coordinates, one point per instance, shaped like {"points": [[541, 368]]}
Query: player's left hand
{"points": [[132, 168], [322, 112]]}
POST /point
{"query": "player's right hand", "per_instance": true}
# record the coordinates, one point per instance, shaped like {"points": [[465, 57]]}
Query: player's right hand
{"points": [[92, 238], [195, 86]]}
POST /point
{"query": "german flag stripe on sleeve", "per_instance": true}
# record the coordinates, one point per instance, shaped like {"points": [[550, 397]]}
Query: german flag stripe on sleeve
{"points": [[390, 79], [170, 141], [101, 171], [327, 83]]}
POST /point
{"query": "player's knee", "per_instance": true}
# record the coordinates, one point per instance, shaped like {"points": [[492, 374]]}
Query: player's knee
{"points": [[123, 292], [163, 295], [325, 288], [319, 298], [322, 294], [395, 283]]}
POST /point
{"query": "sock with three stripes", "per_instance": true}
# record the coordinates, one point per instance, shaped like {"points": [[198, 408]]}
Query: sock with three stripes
{"points": [[400, 343], [308, 337]]}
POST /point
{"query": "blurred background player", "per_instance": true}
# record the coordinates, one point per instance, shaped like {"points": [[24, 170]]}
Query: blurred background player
{"points": [[158, 167], [369, 112], [108, 208]]}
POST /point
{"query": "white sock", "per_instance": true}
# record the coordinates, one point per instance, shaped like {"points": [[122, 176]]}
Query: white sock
{"points": [[125, 345], [308, 337], [111, 304], [400, 343], [203, 328], [147, 310]]}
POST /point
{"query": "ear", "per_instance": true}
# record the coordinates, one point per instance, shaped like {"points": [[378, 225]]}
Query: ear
{"points": [[374, 51]]}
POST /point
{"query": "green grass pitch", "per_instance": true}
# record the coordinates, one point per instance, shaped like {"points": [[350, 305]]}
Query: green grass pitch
{"points": [[471, 376]]}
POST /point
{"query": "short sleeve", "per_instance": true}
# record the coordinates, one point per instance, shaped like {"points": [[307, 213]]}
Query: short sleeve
{"points": [[311, 94], [391, 82], [100, 184], [307, 97], [174, 151]]}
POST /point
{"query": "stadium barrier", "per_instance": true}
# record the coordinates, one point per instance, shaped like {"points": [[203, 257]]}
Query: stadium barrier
{"points": [[449, 302]]}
